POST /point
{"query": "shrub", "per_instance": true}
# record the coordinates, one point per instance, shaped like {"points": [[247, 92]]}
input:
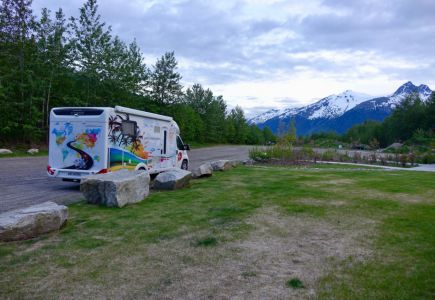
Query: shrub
{"points": [[373, 158], [308, 153], [403, 160], [356, 157], [259, 154], [427, 158], [411, 158], [328, 155], [295, 283]]}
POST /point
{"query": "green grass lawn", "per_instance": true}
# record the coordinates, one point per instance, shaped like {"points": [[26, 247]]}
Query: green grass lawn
{"points": [[251, 231]]}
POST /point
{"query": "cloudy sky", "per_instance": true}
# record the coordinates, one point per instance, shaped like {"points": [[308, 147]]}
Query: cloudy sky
{"points": [[263, 54]]}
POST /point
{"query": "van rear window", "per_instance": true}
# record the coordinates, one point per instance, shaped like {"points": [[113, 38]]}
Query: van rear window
{"points": [[78, 111]]}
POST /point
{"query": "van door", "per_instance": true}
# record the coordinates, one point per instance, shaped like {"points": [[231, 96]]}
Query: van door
{"points": [[77, 142]]}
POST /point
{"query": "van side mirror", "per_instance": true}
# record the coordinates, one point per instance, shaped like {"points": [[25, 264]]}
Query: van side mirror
{"points": [[186, 147]]}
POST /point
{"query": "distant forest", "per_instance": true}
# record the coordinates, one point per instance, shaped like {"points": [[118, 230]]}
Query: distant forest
{"points": [[412, 119], [52, 60]]}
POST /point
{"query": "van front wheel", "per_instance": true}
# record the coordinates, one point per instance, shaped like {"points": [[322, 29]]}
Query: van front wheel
{"points": [[184, 165]]}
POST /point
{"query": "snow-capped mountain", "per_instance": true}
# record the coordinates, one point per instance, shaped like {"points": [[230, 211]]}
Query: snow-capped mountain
{"points": [[263, 117], [335, 105], [328, 107], [339, 112], [406, 89]]}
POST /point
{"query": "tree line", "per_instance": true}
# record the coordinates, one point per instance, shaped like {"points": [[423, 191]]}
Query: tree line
{"points": [[413, 119], [50, 61]]}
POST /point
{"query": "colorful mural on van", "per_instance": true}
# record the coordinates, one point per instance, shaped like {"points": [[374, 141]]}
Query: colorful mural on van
{"points": [[126, 151], [76, 146]]}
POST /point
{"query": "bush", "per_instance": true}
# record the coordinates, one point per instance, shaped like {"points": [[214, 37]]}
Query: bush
{"points": [[328, 155], [403, 160], [427, 158], [356, 157], [259, 154], [308, 153]]}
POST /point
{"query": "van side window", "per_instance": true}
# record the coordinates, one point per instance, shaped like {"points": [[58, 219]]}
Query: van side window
{"points": [[164, 141], [128, 128], [180, 144]]}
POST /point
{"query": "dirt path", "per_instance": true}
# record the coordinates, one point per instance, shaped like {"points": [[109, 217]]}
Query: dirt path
{"points": [[24, 182]]}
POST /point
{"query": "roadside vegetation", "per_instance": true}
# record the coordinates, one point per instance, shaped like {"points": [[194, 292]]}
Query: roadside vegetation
{"points": [[257, 231], [286, 154], [410, 127]]}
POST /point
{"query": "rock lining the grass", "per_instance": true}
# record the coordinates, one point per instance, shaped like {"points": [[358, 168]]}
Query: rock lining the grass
{"points": [[32, 221], [221, 165], [116, 189], [172, 179], [248, 162], [33, 151], [5, 151], [204, 170]]}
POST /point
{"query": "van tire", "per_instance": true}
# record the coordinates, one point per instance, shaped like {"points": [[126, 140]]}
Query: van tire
{"points": [[184, 165]]}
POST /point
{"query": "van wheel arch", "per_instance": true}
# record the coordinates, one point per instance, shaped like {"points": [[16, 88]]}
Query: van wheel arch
{"points": [[141, 166], [185, 165]]}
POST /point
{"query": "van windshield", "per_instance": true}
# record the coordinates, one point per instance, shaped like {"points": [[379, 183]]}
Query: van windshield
{"points": [[180, 144]]}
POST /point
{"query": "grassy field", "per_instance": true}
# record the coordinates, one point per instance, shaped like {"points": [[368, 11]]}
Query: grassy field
{"points": [[252, 232]]}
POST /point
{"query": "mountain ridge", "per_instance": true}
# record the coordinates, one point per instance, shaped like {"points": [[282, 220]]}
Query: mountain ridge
{"points": [[339, 112]]}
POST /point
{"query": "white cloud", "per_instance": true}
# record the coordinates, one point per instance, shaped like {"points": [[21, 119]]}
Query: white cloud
{"points": [[276, 53]]}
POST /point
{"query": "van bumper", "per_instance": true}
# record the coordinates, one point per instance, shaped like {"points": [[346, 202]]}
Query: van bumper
{"points": [[69, 174]]}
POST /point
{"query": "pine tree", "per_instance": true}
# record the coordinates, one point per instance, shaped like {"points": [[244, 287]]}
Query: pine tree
{"points": [[91, 43], [164, 80], [52, 56], [238, 120], [17, 44]]}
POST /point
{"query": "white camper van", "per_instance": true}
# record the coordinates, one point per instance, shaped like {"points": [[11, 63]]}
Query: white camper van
{"points": [[90, 140]]}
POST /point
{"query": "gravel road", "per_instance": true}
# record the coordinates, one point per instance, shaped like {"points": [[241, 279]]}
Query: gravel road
{"points": [[24, 182]]}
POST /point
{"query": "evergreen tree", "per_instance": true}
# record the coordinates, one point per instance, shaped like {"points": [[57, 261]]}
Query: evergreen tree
{"points": [[17, 43], [49, 63], [164, 82], [198, 98], [52, 57], [268, 135], [255, 136], [238, 120], [91, 43]]}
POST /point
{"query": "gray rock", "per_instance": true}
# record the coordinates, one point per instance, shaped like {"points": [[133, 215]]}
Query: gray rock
{"points": [[204, 170], [172, 179], [30, 222], [117, 188], [5, 151], [33, 151], [235, 163], [221, 165], [248, 162]]}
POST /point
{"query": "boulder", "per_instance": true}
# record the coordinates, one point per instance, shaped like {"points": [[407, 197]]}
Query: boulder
{"points": [[248, 162], [235, 163], [33, 151], [172, 179], [204, 170], [5, 151], [221, 165], [116, 189], [30, 222]]}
